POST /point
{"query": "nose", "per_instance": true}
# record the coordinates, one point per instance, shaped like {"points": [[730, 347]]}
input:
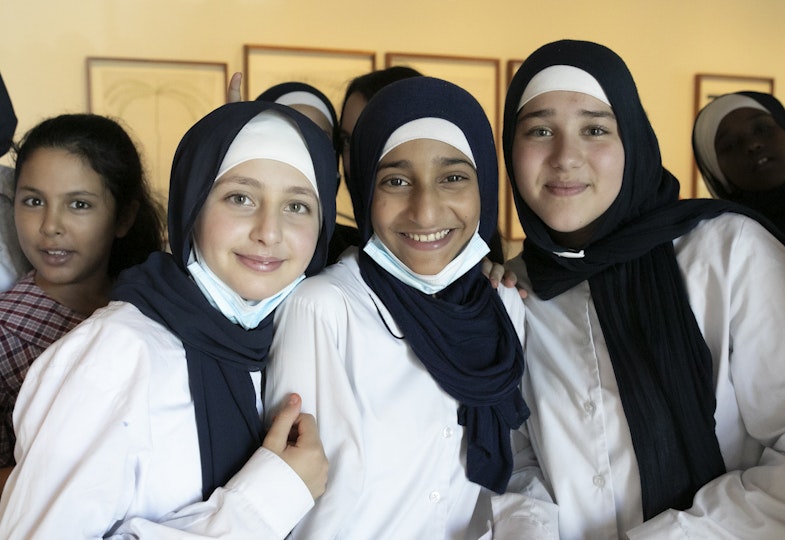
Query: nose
{"points": [[267, 227], [566, 152], [52, 223], [754, 144], [424, 205]]}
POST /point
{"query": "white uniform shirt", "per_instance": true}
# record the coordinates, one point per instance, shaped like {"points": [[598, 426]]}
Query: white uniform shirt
{"points": [[396, 450], [735, 274], [107, 446]]}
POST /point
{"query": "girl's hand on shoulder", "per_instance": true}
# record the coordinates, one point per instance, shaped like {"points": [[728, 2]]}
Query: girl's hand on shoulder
{"points": [[496, 273]]}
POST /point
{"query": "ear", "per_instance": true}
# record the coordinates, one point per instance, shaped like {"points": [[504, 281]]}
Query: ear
{"points": [[126, 219]]}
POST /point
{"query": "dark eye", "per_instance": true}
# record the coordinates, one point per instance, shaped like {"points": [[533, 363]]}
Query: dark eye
{"points": [[32, 201], [239, 199], [596, 131], [297, 207], [80, 205]]}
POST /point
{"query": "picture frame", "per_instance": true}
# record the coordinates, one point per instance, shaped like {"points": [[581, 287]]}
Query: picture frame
{"points": [[515, 231], [481, 77], [709, 86], [329, 70], [157, 101]]}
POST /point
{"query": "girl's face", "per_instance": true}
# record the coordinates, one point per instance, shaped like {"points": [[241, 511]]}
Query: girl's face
{"points": [[750, 148], [426, 204], [66, 219], [568, 161], [258, 228]]}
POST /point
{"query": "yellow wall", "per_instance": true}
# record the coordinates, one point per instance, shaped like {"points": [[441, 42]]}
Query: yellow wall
{"points": [[43, 43]]}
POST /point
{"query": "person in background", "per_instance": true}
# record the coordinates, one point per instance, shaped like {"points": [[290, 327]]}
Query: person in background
{"points": [[13, 264], [410, 362], [308, 100], [145, 421], [359, 91], [83, 213], [739, 145], [654, 363]]}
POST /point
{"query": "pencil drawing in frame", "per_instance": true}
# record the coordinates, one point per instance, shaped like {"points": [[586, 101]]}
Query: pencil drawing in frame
{"points": [[157, 101]]}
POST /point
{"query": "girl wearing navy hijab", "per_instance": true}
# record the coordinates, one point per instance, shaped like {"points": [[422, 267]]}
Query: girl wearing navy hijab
{"points": [[410, 364], [145, 421], [654, 331]]}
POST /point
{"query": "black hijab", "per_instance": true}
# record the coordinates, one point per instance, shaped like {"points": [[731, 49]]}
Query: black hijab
{"points": [[220, 354], [462, 334], [770, 202], [662, 364], [7, 119]]}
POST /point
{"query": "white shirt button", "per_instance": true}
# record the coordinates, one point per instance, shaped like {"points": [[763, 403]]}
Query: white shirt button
{"points": [[589, 407], [434, 497], [599, 481], [447, 432]]}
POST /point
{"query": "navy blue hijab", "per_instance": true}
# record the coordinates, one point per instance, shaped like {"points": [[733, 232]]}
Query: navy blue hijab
{"points": [[279, 90], [220, 354], [662, 364], [462, 335]]}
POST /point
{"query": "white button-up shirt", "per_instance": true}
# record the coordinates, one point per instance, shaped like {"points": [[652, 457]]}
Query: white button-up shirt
{"points": [[107, 446], [734, 272]]}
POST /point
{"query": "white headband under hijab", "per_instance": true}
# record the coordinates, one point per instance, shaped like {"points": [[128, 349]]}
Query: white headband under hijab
{"points": [[565, 78]]}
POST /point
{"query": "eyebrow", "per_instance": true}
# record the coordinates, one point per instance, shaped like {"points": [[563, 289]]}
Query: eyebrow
{"points": [[253, 182], [78, 193], [407, 164], [547, 113]]}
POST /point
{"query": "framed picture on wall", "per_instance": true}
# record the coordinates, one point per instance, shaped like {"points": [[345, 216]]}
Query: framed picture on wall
{"points": [[709, 86], [516, 231], [157, 101], [329, 70], [481, 78]]}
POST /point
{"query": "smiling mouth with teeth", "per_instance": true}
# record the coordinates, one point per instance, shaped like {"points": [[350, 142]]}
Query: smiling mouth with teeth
{"points": [[432, 237]]}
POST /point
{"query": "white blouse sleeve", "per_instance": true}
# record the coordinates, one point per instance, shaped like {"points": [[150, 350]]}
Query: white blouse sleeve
{"points": [[263, 501], [84, 442], [308, 357], [747, 501], [527, 509]]}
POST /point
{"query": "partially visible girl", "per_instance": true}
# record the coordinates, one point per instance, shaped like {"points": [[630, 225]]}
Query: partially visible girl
{"points": [[145, 420], [739, 145], [83, 212]]}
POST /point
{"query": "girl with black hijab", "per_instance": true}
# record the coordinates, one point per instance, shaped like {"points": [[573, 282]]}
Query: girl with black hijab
{"points": [[739, 145], [410, 364], [145, 420], [654, 332]]}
